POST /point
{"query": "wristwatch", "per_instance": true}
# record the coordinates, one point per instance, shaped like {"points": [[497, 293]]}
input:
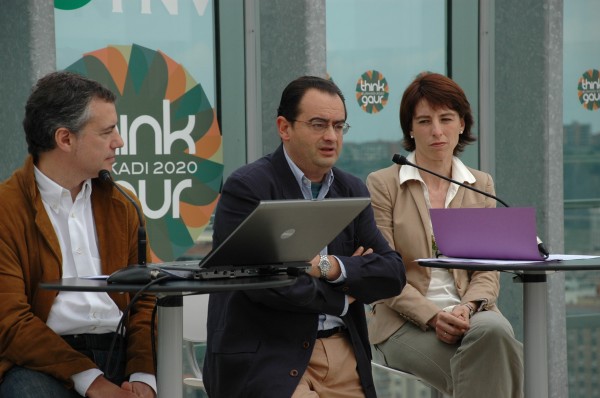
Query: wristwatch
{"points": [[324, 266]]}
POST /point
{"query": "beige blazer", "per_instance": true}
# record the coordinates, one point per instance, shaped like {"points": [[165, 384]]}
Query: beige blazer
{"points": [[402, 216]]}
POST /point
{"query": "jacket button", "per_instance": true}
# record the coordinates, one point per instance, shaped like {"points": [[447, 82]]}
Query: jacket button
{"points": [[293, 373], [345, 288], [305, 345]]}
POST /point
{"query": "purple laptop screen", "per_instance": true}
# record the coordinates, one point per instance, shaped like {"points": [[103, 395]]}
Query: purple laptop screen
{"points": [[504, 233]]}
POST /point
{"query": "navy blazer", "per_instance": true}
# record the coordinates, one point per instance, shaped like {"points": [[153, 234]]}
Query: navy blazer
{"points": [[260, 341]]}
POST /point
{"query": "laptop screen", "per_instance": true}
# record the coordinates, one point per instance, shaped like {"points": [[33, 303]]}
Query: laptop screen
{"points": [[283, 231], [505, 233]]}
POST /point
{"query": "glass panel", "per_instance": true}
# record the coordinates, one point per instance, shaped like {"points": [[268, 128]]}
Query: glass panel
{"points": [[582, 190], [158, 57], [374, 50]]}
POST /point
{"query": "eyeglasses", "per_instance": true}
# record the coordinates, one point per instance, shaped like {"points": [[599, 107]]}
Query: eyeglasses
{"points": [[321, 126]]}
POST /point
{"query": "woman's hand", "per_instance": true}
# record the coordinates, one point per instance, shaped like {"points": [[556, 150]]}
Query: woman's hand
{"points": [[450, 327]]}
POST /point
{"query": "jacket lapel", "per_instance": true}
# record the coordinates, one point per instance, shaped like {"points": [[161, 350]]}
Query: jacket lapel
{"points": [[414, 187], [458, 198], [288, 186], [109, 211], [52, 270]]}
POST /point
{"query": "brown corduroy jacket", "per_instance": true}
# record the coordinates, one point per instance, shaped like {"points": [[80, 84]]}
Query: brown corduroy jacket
{"points": [[30, 253]]}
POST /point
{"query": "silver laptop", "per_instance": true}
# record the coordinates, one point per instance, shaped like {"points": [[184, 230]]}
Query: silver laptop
{"points": [[278, 236]]}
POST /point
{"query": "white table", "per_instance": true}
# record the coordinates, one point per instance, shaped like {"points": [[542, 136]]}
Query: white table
{"points": [[169, 372], [535, 338]]}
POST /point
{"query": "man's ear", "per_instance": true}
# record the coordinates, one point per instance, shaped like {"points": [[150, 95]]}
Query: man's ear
{"points": [[283, 126], [64, 139]]}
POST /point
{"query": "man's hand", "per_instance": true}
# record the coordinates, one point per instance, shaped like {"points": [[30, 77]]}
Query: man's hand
{"points": [[102, 388], [361, 251], [335, 270], [333, 273], [314, 267], [139, 389]]}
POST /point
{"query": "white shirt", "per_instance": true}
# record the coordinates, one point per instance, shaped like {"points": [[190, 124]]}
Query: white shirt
{"points": [[79, 312], [442, 290]]}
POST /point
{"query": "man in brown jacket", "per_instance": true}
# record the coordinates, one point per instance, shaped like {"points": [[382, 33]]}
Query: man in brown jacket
{"points": [[57, 220]]}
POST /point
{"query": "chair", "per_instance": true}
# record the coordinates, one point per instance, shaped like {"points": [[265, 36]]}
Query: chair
{"points": [[195, 311], [434, 393]]}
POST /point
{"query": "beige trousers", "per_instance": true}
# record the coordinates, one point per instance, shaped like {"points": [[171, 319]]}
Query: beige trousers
{"points": [[331, 372]]}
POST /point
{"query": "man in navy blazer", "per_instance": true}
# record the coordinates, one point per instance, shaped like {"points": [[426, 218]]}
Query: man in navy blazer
{"points": [[309, 339]]}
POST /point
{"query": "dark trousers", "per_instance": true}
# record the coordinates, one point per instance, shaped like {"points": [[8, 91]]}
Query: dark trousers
{"points": [[20, 382]]}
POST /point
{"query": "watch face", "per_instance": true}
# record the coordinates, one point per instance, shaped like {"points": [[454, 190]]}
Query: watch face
{"points": [[324, 266]]}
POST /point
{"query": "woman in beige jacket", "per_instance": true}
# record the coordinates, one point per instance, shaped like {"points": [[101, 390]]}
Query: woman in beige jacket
{"points": [[455, 338]]}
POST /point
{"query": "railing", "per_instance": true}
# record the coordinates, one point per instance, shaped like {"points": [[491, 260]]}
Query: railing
{"points": [[581, 203], [583, 354]]}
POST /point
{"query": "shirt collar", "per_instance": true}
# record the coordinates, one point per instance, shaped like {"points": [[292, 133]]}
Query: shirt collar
{"points": [[52, 193], [460, 172], [304, 182]]}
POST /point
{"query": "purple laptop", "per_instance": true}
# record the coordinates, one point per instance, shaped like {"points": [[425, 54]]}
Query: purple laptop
{"points": [[504, 233]]}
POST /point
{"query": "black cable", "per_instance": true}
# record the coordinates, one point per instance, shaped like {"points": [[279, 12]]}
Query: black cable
{"points": [[121, 331], [153, 335]]}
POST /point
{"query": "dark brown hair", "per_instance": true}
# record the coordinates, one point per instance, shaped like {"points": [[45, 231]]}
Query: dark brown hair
{"points": [[440, 92]]}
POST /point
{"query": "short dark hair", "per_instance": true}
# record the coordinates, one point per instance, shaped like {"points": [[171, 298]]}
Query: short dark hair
{"points": [[293, 93], [59, 99], [440, 92]]}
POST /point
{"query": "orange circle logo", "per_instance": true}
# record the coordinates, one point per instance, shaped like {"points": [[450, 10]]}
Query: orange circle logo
{"points": [[172, 156], [588, 89], [372, 91]]}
